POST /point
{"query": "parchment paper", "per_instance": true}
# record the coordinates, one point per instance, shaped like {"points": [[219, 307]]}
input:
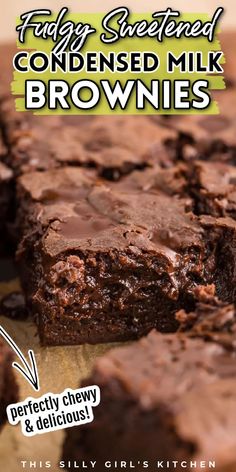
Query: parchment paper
{"points": [[59, 368]]}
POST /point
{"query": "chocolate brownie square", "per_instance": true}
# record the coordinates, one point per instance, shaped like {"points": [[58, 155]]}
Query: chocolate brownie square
{"points": [[114, 145], [212, 319], [209, 137], [106, 263], [8, 387], [164, 398]]}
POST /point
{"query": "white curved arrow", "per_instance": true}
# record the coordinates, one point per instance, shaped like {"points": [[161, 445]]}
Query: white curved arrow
{"points": [[30, 372]]}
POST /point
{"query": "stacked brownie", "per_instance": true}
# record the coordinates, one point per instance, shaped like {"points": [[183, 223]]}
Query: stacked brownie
{"points": [[8, 387]]}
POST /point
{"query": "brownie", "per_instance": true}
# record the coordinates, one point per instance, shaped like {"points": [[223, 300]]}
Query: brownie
{"points": [[212, 137], [173, 180], [227, 41], [221, 233], [5, 189], [213, 187], [212, 319], [7, 52], [162, 399], [114, 145], [208, 137], [8, 387], [106, 263]]}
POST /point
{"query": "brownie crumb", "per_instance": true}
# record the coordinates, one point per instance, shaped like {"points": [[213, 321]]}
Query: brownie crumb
{"points": [[212, 320], [13, 306]]}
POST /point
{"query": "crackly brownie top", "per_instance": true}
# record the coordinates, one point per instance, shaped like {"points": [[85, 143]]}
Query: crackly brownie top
{"points": [[121, 143], [215, 178], [163, 368], [214, 184], [79, 211], [210, 137], [220, 224], [188, 382], [171, 181]]}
